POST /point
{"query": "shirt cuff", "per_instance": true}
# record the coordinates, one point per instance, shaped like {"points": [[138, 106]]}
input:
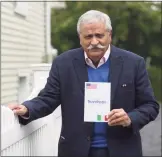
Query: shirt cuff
{"points": [[25, 117]]}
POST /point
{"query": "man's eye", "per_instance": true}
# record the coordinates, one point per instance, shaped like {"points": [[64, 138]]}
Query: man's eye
{"points": [[99, 35], [96, 35], [88, 37]]}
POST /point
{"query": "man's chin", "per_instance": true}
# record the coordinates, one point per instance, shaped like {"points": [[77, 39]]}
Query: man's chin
{"points": [[95, 56], [97, 51]]}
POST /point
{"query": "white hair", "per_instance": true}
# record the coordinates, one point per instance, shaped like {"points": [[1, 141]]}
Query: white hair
{"points": [[94, 16]]}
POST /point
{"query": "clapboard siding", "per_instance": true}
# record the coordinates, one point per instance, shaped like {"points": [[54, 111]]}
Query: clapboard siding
{"points": [[8, 79], [19, 65], [18, 52], [22, 44], [10, 92], [8, 5], [23, 41], [16, 34], [9, 99], [17, 46], [8, 72], [13, 32], [14, 59], [21, 26], [9, 85], [18, 21]]}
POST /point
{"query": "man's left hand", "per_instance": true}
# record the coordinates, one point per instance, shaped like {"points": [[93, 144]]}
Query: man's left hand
{"points": [[118, 117]]}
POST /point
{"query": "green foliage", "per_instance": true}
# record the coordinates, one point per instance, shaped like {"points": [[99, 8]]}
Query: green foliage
{"points": [[136, 27], [155, 75]]}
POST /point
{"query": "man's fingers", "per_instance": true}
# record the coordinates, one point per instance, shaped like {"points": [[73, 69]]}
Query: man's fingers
{"points": [[116, 116], [13, 106], [110, 114], [118, 120], [121, 123], [19, 111]]}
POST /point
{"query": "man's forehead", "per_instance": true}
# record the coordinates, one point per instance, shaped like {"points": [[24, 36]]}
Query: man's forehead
{"points": [[93, 27]]}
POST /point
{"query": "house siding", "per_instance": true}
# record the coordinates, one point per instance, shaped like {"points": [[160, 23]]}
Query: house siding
{"points": [[22, 44]]}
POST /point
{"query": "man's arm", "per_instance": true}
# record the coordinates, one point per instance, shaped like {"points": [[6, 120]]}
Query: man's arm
{"points": [[47, 100], [147, 107]]}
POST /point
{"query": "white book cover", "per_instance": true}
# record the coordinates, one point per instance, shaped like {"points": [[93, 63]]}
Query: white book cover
{"points": [[97, 101]]}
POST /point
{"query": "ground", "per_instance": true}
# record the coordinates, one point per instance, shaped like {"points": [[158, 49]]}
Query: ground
{"points": [[151, 138]]}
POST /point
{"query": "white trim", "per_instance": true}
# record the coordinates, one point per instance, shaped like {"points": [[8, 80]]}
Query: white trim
{"points": [[48, 28]]}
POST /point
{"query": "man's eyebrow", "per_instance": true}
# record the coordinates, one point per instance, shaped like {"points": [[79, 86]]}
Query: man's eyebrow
{"points": [[88, 35], [94, 34], [99, 33]]}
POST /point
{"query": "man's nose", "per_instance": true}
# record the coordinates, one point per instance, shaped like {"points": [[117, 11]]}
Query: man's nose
{"points": [[94, 41]]}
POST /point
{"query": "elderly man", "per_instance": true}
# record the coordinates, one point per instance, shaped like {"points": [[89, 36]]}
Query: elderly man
{"points": [[132, 100]]}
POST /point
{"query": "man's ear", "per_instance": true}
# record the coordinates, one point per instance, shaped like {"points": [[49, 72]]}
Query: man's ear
{"points": [[111, 33]]}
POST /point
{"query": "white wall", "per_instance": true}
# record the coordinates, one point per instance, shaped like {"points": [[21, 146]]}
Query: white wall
{"points": [[22, 43]]}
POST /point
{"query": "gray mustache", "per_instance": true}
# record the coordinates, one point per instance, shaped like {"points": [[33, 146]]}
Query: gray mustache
{"points": [[94, 47]]}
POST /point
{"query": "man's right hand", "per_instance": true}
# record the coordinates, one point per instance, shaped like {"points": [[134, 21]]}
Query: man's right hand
{"points": [[20, 110]]}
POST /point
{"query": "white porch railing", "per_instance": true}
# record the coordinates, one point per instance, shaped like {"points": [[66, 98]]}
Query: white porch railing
{"points": [[38, 138]]}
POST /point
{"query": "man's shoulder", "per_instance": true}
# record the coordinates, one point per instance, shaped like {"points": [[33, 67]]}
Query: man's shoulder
{"points": [[128, 54]]}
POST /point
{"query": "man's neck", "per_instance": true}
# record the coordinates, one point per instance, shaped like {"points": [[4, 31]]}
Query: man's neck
{"points": [[95, 63]]}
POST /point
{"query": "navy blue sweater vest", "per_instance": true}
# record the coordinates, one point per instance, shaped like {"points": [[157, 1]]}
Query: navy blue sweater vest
{"points": [[100, 74]]}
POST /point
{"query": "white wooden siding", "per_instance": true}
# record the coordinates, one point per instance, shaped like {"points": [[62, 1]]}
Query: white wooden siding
{"points": [[9, 85], [8, 72], [22, 43], [9, 99]]}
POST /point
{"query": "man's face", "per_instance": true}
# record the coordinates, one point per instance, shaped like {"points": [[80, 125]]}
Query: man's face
{"points": [[95, 39]]}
